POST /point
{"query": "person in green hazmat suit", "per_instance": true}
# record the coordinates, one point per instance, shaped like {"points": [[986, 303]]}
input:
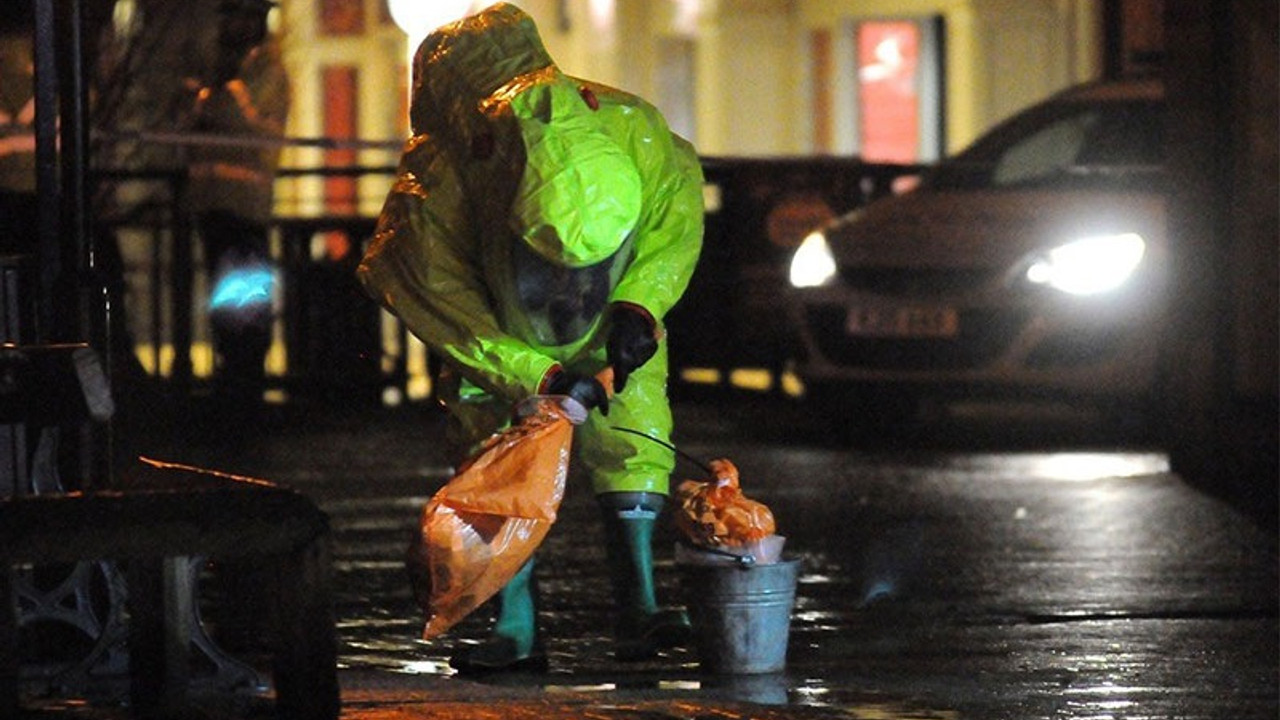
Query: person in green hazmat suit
{"points": [[540, 228]]}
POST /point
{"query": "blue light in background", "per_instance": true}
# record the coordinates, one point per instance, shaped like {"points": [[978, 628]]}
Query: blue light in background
{"points": [[242, 288]]}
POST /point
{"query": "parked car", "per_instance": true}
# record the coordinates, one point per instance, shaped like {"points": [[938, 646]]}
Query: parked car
{"points": [[757, 212], [1031, 263]]}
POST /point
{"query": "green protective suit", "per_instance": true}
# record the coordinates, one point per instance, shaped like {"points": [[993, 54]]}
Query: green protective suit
{"points": [[527, 203]]}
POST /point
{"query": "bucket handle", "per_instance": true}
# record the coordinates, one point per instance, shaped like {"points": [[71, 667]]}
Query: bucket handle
{"points": [[742, 561]]}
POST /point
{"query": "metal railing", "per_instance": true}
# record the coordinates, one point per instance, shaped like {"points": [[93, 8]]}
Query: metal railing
{"points": [[330, 335], [163, 286]]}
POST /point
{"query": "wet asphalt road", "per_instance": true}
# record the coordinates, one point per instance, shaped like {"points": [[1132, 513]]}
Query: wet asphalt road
{"points": [[989, 567]]}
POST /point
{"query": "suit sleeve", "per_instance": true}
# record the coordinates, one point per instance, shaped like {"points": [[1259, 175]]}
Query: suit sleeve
{"points": [[669, 239], [423, 267]]}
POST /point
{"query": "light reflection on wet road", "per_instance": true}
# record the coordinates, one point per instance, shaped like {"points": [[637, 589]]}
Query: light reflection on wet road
{"points": [[954, 579]]}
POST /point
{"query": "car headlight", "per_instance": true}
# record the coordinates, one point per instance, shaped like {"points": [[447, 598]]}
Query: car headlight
{"points": [[1087, 266], [813, 264]]}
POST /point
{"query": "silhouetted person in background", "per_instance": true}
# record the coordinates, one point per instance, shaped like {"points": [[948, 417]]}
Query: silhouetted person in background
{"points": [[246, 98]]}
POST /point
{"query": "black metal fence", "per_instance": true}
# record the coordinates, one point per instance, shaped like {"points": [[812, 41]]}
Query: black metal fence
{"points": [[330, 335]]}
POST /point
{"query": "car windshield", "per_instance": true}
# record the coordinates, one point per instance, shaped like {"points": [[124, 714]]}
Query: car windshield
{"points": [[1063, 145]]}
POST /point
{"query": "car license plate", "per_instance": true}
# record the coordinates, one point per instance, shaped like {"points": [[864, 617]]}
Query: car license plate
{"points": [[903, 322]]}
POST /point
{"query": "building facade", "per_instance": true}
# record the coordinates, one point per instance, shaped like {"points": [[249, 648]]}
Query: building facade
{"points": [[888, 80]]}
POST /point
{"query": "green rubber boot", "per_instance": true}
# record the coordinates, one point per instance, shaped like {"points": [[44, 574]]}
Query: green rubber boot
{"points": [[642, 628], [513, 644]]}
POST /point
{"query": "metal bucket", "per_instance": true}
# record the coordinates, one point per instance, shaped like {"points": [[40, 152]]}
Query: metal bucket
{"points": [[741, 614]]}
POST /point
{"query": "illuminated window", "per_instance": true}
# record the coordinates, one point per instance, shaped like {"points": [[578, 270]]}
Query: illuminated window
{"points": [[899, 90]]}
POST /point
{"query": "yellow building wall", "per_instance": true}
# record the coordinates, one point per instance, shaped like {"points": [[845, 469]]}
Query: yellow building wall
{"points": [[751, 91], [732, 75], [748, 97], [379, 55], [1000, 55]]}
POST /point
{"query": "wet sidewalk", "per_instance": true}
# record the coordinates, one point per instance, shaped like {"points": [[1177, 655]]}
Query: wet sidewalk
{"points": [[396, 461], [349, 458], [377, 696], [966, 579]]}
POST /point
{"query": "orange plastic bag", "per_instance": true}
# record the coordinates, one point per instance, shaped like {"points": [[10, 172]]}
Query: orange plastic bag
{"points": [[715, 513], [479, 528]]}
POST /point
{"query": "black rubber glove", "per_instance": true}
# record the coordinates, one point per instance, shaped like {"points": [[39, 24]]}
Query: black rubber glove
{"points": [[631, 342], [583, 388]]}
